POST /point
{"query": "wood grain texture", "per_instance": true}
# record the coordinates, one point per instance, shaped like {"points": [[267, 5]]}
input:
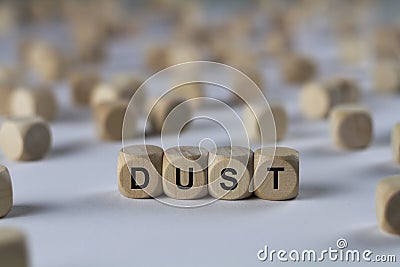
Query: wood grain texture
{"points": [[351, 127], [6, 192], [82, 84], [230, 170], [317, 99], [276, 173], [185, 172], [109, 118], [396, 142], [13, 249], [38, 101], [25, 138], [388, 204], [139, 171]]}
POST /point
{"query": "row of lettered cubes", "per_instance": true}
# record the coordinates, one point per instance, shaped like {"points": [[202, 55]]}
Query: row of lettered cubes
{"points": [[189, 172]]}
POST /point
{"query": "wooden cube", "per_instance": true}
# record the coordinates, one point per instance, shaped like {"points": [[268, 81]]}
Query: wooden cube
{"points": [[276, 173], [239, 83], [128, 85], [109, 119], [386, 43], [230, 171], [191, 92], [318, 99], [262, 116], [168, 114], [38, 101], [82, 85], [386, 76], [298, 69], [89, 39], [5, 92], [353, 49], [182, 52], [119, 90], [139, 171], [157, 58], [46, 61], [7, 81], [13, 250], [351, 127], [185, 172], [25, 138], [388, 204], [396, 142], [6, 193]]}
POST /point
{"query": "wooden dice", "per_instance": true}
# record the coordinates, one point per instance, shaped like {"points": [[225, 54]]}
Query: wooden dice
{"points": [[46, 60], [6, 193], [127, 85], [185, 172], [388, 204], [123, 88], [259, 116], [25, 138], [157, 58], [386, 76], [168, 114], [298, 69], [89, 39], [189, 92], [351, 127], [5, 92], [276, 173], [352, 48], [318, 99], [230, 170], [139, 171], [396, 142], [109, 119], [13, 249], [278, 44], [7, 80], [38, 101], [82, 85], [239, 83], [190, 172]]}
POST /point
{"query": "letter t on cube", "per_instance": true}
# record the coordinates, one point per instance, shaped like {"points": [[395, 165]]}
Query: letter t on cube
{"points": [[276, 173]]}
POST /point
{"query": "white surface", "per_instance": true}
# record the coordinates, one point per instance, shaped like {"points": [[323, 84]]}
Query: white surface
{"points": [[71, 210]]}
